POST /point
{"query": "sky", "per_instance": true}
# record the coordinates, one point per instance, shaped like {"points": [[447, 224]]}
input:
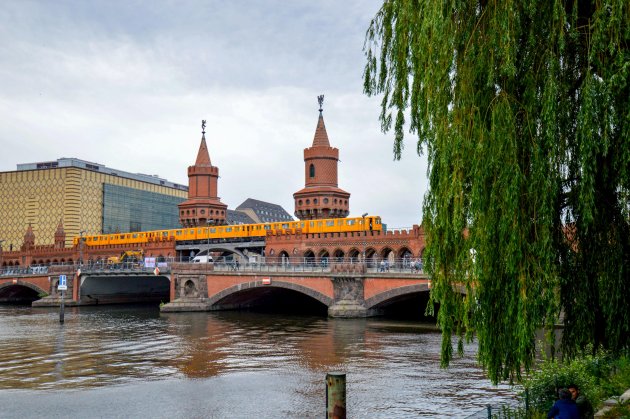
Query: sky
{"points": [[126, 83]]}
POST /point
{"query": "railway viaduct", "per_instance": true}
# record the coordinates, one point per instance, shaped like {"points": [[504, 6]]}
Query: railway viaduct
{"points": [[345, 290]]}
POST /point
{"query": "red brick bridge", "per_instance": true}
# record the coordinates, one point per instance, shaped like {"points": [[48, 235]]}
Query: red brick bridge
{"points": [[345, 290]]}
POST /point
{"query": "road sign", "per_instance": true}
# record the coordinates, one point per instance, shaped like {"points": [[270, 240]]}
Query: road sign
{"points": [[63, 286]]}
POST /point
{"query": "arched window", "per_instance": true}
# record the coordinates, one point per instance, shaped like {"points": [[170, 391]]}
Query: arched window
{"points": [[311, 170]]}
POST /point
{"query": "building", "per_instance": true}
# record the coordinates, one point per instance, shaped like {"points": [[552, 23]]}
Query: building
{"points": [[82, 196], [263, 212]]}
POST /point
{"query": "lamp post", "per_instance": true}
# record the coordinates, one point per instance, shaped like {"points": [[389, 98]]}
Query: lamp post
{"points": [[209, 223], [81, 247], [364, 239]]}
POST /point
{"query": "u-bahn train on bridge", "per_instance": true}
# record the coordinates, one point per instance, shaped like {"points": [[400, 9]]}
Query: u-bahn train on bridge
{"points": [[237, 231]]}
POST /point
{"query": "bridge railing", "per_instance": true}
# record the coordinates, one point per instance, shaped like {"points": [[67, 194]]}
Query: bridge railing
{"points": [[225, 264], [371, 265]]}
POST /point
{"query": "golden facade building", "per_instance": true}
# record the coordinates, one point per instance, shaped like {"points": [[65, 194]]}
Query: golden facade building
{"points": [[82, 196]]}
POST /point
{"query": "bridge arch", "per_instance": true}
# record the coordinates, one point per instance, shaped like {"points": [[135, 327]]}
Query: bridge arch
{"points": [[21, 291], [309, 256], [338, 255], [383, 297], [322, 298]]}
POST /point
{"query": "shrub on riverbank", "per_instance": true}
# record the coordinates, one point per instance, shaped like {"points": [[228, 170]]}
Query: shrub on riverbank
{"points": [[599, 377]]}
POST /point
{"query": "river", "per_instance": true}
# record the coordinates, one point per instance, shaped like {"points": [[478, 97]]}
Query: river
{"points": [[133, 361]]}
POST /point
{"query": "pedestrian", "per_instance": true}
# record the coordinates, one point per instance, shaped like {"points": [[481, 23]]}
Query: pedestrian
{"points": [[583, 405], [565, 407]]}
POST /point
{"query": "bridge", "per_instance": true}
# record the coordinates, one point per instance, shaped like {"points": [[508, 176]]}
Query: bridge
{"points": [[342, 289]]}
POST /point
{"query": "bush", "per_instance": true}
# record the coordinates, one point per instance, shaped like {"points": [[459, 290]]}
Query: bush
{"points": [[598, 376]]}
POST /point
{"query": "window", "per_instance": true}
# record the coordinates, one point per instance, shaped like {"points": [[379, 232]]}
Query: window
{"points": [[311, 170], [325, 200]]}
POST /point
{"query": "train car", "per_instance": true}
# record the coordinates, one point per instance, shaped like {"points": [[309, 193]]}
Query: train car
{"points": [[237, 231]]}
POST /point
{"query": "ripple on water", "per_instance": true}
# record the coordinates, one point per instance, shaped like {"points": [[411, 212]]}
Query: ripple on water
{"points": [[254, 361]]}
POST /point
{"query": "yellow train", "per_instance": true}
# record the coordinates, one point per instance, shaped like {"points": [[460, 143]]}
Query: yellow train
{"points": [[237, 231]]}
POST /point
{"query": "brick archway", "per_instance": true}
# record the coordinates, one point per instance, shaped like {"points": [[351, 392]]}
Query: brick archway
{"points": [[322, 298], [382, 297], [24, 284]]}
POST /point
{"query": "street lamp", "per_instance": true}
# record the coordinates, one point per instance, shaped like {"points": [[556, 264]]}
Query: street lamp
{"points": [[364, 239], [208, 222], [81, 247]]}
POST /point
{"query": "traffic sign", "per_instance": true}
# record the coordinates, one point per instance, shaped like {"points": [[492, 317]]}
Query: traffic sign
{"points": [[63, 286]]}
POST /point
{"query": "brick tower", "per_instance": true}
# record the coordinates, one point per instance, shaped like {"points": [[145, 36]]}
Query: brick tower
{"points": [[60, 236], [321, 197], [29, 238], [202, 207]]}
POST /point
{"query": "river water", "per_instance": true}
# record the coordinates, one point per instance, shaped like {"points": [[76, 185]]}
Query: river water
{"points": [[133, 361]]}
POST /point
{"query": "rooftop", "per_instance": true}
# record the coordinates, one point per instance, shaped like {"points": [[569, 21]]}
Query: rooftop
{"points": [[96, 167]]}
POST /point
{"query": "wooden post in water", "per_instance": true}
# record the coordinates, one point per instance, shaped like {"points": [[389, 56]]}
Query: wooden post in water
{"points": [[335, 395]]}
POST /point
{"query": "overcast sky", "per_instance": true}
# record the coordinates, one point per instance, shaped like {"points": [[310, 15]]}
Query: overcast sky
{"points": [[126, 84]]}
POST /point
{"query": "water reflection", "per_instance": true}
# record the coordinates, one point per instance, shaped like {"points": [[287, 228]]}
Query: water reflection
{"points": [[392, 366]]}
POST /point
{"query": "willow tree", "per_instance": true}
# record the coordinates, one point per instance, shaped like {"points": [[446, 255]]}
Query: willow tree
{"points": [[522, 108]]}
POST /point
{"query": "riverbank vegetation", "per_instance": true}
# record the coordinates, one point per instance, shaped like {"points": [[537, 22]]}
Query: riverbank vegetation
{"points": [[599, 377], [523, 109]]}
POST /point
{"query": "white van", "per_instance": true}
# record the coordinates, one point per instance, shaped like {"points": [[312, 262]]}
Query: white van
{"points": [[202, 257]]}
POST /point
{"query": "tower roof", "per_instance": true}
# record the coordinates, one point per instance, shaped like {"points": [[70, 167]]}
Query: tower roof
{"points": [[321, 136], [203, 157], [60, 228]]}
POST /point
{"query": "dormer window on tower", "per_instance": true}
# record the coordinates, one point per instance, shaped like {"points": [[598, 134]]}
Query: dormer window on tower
{"points": [[311, 170]]}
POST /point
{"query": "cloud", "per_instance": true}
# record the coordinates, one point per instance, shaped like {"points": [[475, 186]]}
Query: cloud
{"points": [[127, 86]]}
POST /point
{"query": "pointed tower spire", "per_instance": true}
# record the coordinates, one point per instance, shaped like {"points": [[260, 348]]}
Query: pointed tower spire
{"points": [[60, 236], [321, 197], [321, 136], [203, 157], [203, 206], [29, 238]]}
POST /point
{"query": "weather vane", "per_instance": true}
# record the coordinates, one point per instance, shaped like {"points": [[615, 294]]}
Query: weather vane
{"points": [[203, 126], [320, 99]]}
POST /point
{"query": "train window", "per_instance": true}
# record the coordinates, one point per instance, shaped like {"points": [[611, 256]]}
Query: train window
{"points": [[302, 225], [228, 229], [330, 223], [351, 222], [192, 231], [213, 230], [319, 224], [164, 233], [285, 226], [312, 224], [267, 227], [135, 236]]}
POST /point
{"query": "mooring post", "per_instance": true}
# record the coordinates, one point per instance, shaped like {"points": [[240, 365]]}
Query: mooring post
{"points": [[335, 395], [62, 307]]}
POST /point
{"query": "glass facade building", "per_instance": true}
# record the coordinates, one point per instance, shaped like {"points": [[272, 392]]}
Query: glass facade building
{"points": [[127, 209]]}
